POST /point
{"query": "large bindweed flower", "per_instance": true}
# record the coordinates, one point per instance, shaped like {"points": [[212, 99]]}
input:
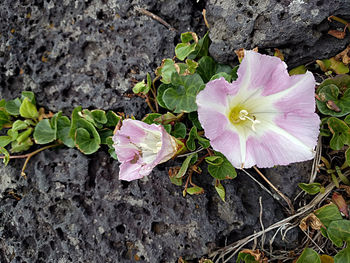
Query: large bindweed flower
{"points": [[140, 147], [264, 118]]}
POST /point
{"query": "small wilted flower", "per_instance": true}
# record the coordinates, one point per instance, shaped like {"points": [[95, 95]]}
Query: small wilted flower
{"points": [[264, 118], [140, 147]]}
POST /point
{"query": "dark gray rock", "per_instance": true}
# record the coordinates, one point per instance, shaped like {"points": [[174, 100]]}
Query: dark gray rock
{"points": [[73, 208], [298, 27]]}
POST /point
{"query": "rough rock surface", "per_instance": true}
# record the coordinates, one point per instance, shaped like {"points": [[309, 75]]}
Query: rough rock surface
{"points": [[73, 208], [297, 27]]}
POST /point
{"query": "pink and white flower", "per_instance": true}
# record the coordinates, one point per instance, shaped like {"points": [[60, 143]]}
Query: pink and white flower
{"points": [[264, 118], [140, 147]]}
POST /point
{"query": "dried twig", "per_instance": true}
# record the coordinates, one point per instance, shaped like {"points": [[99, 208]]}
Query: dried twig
{"points": [[155, 17], [232, 249], [285, 198]]}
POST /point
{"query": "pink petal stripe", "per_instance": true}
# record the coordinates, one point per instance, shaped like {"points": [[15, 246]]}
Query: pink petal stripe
{"points": [[213, 122], [264, 72], [129, 171], [273, 149], [229, 145]]}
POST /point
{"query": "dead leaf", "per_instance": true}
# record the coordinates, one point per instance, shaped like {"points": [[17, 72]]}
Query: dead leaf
{"points": [[336, 33], [240, 54], [258, 256], [347, 189], [43, 115], [326, 259], [278, 54], [344, 55], [332, 106], [339, 200], [312, 221]]}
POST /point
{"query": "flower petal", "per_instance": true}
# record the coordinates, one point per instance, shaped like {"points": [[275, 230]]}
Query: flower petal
{"points": [[229, 144], [130, 171], [299, 97], [264, 72], [276, 147], [133, 129], [215, 94]]}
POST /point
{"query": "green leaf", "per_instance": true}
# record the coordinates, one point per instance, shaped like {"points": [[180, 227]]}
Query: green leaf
{"points": [[193, 116], [21, 146], [311, 189], [328, 213], [167, 128], [222, 74], [234, 73], [12, 106], [24, 135], [202, 48], [220, 190], [214, 160], [2, 104], [166, 118], [150, 118], [182, 50], [191, 66], [44, 132], [89, 142], [338, 66], [343, 256], [99, 116], [160, 92], [179, 130], [175, 181], [246, 258], [193, 135], [223, 171], [340, 131], [30, 95], [85, 142], [113, 154], [309, 256], [63, 129], [298, 70], [182, 96], [141, 87], [206, 68], [28, 109], [13, 134], [166, 70], [334, 96], [347, 156], [4, 118], [6, 154], [5, 140], [112, 119], [104, 134], [19, 125], [339, 231], [185, 165], [195, 190]]}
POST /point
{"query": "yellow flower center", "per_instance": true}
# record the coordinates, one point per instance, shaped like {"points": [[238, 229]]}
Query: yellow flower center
{"points": [[239, 116]]}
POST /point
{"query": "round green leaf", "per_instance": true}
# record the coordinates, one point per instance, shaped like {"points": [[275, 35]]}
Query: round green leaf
{"points": [[343, 256], [44, 133], [182, 96], [28, 109], [12, 106], [99, 116], [223, 171], [328, 213], [340, 131], [85, 143], [63, 128], [309, 256], [339, 231], [179, 130], [5, 140], [311, 189], [19, 125], [21, 146], [112, 119]]}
